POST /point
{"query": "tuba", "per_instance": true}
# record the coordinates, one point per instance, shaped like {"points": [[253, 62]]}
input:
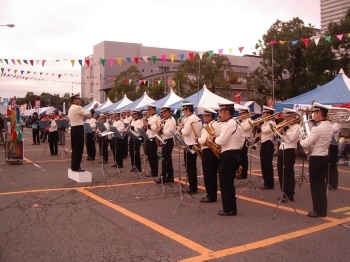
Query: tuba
{"points": [[195, 148], [213, 147], [304, 130]]}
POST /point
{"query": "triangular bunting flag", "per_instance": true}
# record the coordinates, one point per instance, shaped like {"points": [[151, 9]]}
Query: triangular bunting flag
{"points": [[340, 36], [182, 56], [103, 61], [1, 60], [13, 61], [273, 42], [25, 61], [144, 82], [191, 55], [328, 38], [240, 49], [72, 62], [128, 59], [282, 42], [210, 53], [8, 70], [158, 82], [28, 72], [18, 61], [43, 62], [2, 70], [87, 62], [220, 51], [306, 41], [145, 58], [163, 57], [130, 81], [31, 62], [230, 50], [200, 55], [139, 82], [22, 72], [111, 61], [37, 62], [59, 75], [154, 58], [173, 83], [294, 42], [172, 57], [136, 59], [80, 62], [6, 60], [15, 71]]}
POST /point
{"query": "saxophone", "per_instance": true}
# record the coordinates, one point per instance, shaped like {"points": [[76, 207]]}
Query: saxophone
{"points": [[213, 147], [195, 148]]}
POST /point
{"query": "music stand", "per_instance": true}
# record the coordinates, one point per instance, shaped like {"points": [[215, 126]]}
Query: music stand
{"points": [[133, 137], [116, 135], [103, 132], [62, 123], [43, 125], [87, 130], [184, 196], [302, 177]]}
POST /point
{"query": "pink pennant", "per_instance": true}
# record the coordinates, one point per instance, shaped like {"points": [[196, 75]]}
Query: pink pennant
{"points": [[163, 57], [168, 81], [273, 42], [8, 70], [109, 78], [220, 51], [340, 36], [240, 49], [139, 82], [111, 61], [13, 61]]}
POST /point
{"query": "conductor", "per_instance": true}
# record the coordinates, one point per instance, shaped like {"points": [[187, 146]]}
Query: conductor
{"points": [[76, 114]]}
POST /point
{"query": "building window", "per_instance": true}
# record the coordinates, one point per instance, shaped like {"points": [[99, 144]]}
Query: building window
{"points": [[91, 87], [151, 71], [174, 67], [91, 72], [143, 70]]}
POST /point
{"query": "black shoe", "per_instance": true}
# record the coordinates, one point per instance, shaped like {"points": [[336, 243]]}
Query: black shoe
{"points": [[223, 213], [170, 180], [191, 191], [313, 214], [206, 200], [266, 187], [79, 170], [240, 177]]}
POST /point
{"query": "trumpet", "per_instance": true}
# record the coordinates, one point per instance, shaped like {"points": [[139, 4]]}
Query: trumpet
{"points": [[258, 121], [250, 115], [338, 114]]}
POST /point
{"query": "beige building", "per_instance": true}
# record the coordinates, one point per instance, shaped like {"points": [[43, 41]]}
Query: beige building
{"points": [[333, 11], [97, 79]]}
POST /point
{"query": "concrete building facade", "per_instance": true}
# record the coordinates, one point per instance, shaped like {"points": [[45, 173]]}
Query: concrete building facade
{"points": [[333, 11], [97, 80]]}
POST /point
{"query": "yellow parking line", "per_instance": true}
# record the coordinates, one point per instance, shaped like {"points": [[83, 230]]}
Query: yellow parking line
{"points": [[154, 226], [264, 242], [340, 209]]}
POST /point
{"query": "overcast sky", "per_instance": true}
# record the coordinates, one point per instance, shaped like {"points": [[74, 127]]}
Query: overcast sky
{"points": [[67, 29]]}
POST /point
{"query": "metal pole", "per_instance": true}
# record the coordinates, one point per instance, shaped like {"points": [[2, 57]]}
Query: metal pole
{"points": [[273, 78]]}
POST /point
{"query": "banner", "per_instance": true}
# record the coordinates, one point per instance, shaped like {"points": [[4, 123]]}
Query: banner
{"points": [[301, 106], [37, 105], [13, 103], [238, 98]]}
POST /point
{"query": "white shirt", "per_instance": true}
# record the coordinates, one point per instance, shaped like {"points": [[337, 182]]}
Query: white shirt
{"points": [[205, 135], [245, 124], [231, 136], [186, 131], [336, 130], [153, 123], [267, 131], [169, 125], [120, 126], [127, 119], [92, 123], [76, 115], [320, 137], [291, 136], [135, 124], [53, 126]]}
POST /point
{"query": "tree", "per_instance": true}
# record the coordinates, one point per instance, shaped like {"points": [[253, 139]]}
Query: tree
{"points": [[193, 74], [293, 70], [123, 85]]}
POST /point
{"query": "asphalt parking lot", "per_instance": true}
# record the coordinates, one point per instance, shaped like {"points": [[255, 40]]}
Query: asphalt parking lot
{"points": [[45, 216]]}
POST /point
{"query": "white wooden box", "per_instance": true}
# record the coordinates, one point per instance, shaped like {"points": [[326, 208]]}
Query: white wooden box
{"points": [[80, 177]]}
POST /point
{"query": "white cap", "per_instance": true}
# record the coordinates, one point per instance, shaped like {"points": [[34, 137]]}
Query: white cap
{"points": [[288, 112], [164, 108], [226, 105], [267, 109], [209, 111], [243, 109], [134, 111], [318, 106]]}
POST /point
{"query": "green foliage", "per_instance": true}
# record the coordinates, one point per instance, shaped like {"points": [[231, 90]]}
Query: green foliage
{"points": [[193, 74], [122, 85]]}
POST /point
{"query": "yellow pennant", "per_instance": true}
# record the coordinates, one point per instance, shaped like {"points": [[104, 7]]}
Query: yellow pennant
{"points": [[282, 42], [72, 62], [119, 60], [18, 61], [144, 82], [172, 57], [230, 50], [173, 82], [15, 71]]}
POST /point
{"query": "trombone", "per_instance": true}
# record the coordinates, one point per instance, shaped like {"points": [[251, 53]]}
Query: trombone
{"points": [[258, 121]]}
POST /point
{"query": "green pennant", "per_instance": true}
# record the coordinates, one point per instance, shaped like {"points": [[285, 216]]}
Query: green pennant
{"points": [[103, 61], [2, 70], [163, 82], [57, 60], [211, 52], [6, 60], [154, 58], [328, 38]]}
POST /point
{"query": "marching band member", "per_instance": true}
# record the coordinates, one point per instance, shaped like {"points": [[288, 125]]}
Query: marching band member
{"points": [[210, 162], [75, 115], [150, 125], [134, 145], [192, 127], [231, 140], [53, 135], [267, 149], [117, 143], [90, 138], [168, 124], [319, 139], [110, 123], [333, 157], [62, 131], [244, 121], [103, 140], [126, 118], [286, 154]]}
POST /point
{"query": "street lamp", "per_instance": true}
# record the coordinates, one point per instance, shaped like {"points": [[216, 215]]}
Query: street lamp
{"points": [[9, 25]]}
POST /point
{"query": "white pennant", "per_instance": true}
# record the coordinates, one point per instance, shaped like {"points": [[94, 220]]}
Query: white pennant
{"points": [[145, 58], [37, 62], [130, 81], [316, 39], [200, 55]]}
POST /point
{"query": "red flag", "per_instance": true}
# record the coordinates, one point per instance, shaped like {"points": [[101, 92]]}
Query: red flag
{"points": [[87, 61], [240, 49], [191, 55], [136, 59], [238, 98], [13, 103], [306, 41], [31, 62], [59, 75]]}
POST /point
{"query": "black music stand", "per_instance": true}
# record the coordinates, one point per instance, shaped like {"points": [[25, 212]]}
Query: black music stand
{"points": [[103, 132], [302, 177], [43, 125], [116, 135], [183, 197], [133, 137], [62, 123], [87, 130]]}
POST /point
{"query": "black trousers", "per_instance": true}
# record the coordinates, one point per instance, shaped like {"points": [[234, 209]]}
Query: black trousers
{"points": [[289, 179], [318, 168], [77, 144], [134, 148], [35, 133], [210, 165], [151, 151], [333, 168], [191, 169], [117, 149], [103, 141], [266, 156], [53, 142], [91, 146], [125, 145], [167, 161], [228, 165], [244, 160]]}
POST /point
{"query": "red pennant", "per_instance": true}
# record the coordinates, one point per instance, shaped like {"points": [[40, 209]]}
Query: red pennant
{"points": [[43, 62], [191, 55], [125, 80], [87, 61], [59, 75], [136, 59], [31, 62], [240, 49], [306, 41]]}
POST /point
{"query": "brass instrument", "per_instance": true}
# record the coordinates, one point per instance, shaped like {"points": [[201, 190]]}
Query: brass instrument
{"points": [[181, 121], [250, 115], [258, 121], [338, 114], [213, 147], [249, 142], [304, 130], [195, 148]]}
